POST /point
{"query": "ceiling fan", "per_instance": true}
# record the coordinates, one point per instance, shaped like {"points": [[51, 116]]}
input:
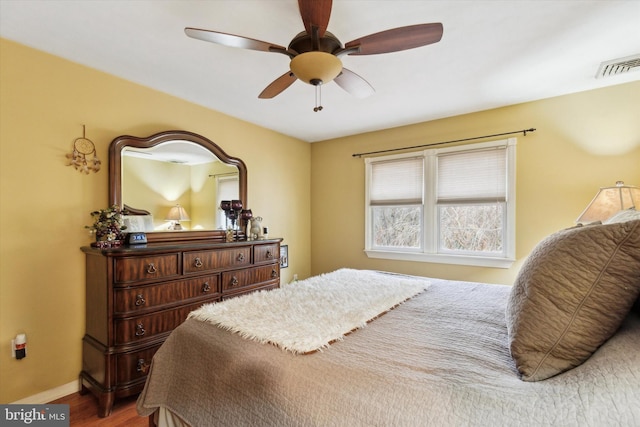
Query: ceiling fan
{"points": [[315, 53]]}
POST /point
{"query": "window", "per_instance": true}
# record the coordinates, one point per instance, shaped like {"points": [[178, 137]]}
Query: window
{"points": [[452, 205]]}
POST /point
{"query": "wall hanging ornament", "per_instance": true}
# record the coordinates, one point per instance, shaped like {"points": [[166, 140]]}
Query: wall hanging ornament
{"points": [[83, 148]]}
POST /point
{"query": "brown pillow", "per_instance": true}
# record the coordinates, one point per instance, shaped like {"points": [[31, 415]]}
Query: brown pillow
{"points": [[626, 215], [571, 295]]}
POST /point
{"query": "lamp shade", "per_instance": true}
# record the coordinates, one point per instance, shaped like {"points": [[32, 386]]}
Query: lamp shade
{"points": [[610, 200], [177, 213], [316, 67]]}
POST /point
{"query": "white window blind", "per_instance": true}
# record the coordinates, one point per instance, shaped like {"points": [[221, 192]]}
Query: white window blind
{"points": [[397, 182], [227, 189], [472, 176]]}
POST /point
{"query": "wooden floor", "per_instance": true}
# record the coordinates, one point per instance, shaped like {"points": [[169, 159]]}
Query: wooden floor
{"points": [[84, 409]]}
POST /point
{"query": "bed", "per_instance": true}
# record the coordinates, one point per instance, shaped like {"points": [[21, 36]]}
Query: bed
{"points": [[453, 354]]}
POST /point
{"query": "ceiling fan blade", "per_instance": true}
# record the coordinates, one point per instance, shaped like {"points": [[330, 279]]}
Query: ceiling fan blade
{"points": [[354, 84], [278, 85], [396, 39], [315, 13], [234, 41]]}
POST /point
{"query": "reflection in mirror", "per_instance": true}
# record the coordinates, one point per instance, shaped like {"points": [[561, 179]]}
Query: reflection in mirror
{"points": [[180, 173], [150, 176]]}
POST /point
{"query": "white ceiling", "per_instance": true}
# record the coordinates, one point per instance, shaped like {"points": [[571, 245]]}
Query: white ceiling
{"points": [[492, 53]]}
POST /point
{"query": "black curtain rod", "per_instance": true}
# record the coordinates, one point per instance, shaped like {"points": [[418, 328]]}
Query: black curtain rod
{"points": [[523, 131]]}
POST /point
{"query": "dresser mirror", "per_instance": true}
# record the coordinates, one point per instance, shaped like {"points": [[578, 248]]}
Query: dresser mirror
{"points": [[152, 177]]}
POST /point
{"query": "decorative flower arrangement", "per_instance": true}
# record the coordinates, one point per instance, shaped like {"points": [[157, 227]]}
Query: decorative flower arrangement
{"points": [[107, 227]]}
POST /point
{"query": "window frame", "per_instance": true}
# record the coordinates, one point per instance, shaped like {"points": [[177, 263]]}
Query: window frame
{"points": [[429, 252]]}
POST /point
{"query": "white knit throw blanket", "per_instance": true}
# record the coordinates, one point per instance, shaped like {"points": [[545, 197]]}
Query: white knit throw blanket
{"points": [[309, 315]]}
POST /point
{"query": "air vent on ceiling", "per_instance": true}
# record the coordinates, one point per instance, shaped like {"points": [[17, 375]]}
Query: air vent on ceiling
{"points": [[619, 66]]}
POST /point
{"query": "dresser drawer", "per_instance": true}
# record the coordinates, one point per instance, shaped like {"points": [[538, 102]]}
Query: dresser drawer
{"points": [[145, 297], [266, 253], [218, 259], [145, 327], [136, 269], [235, 280], [134, 366]]}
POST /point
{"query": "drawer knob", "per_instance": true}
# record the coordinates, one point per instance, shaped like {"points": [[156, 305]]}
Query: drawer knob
{"points": [[143, 366], [240, 257], [140, 300], [234, 281], [151, 268], [269, 254], [198, 262], [206, 287], [274, 273], [140, 330]]}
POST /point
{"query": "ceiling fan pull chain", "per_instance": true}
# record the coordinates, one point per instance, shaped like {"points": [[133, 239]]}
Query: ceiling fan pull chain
{"points": [[318, 107]]}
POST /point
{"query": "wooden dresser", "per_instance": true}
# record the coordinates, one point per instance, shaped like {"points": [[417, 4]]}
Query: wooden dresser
{"points": [[135, 297]]}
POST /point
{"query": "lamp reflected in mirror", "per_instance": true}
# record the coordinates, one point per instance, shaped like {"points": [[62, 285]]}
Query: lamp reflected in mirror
{"points": [[175, 215]]}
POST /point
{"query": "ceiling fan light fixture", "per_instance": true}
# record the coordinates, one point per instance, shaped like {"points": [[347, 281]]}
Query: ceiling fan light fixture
{"points": [[316, 67]]}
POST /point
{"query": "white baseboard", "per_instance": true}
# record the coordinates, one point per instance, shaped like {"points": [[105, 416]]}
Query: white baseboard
{"points": [[50, 395]]}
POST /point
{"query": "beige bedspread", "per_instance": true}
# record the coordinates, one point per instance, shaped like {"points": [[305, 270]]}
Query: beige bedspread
{"points": [[439, 359]]}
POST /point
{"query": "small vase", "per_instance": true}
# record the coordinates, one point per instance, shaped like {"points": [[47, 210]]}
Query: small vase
{"points": [[108, 239], [256, 228]]}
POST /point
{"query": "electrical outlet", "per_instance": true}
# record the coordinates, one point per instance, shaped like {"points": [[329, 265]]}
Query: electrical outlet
{"points": [[295, 277], [19, 347]]}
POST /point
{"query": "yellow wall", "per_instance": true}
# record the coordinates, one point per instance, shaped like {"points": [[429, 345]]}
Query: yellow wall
{"points": [[44, 205], [583, 141]]}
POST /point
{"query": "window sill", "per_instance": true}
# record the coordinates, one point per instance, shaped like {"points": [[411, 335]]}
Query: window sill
{"points": [[477, 261]]}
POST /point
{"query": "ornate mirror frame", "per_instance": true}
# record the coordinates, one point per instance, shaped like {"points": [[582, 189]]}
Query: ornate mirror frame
{"points": [[115, 177]]}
